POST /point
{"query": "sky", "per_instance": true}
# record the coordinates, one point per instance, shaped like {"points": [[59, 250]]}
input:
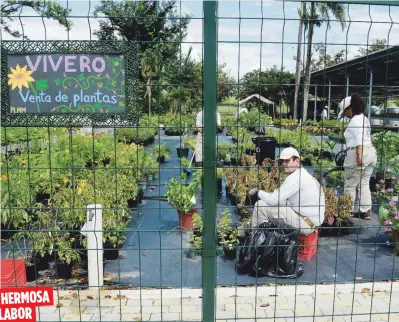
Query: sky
{"points": [[251, 34]]}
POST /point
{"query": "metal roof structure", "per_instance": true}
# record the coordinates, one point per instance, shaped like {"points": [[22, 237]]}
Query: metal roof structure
{"points": [[260, 97], [380, 69]]}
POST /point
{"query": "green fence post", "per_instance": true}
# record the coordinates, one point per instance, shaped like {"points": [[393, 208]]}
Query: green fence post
{"points": [[209, 174]]}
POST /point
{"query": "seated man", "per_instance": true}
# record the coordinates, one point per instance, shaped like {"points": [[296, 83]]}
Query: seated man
{"points": [[299, 202]]}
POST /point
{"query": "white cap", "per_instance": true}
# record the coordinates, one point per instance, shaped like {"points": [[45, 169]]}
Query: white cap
{"points": [[343, 105], [288, 153]]}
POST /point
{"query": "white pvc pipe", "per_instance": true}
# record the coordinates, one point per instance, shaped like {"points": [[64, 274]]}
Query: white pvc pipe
{"points": [[315, 104], [95, 246], [329, 99], [370, 93]]}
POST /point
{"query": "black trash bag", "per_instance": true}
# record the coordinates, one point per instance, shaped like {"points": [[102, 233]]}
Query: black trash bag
{"points": [[270, 251], [286, 264], [251, 250]]}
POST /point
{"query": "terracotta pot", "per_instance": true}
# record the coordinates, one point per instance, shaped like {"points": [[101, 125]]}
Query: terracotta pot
{"points": [[186, 219]]}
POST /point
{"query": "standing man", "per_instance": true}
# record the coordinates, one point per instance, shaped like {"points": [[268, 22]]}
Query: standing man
{"points": [[324, 114], [198, 143], [241, 111], [299, 202]]}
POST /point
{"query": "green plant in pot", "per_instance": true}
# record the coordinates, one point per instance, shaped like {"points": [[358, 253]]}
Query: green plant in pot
{"points": [[195, 237], [66, 256], [162, 152], [182, 195], [228, 235], [25, 253], [391, 224]]}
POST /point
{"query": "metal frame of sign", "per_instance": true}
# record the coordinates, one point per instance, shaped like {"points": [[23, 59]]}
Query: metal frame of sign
{"points": [[129, 49]]}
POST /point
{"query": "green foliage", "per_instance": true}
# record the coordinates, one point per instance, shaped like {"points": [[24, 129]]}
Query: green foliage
{"points": [[180, 192], [376, 45], [185, 163], [387, 146], [223, 151], [298, 138], [254, 118], [10, 9], [228, 236], [195, 239], [250, 84], [162, 150], [16, 194], [147, 130], [178, 123], [14, 135], [323, 59]]}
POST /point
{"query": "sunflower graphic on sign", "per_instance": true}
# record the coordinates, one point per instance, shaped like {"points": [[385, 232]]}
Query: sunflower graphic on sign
{"points": [[20, 77]]}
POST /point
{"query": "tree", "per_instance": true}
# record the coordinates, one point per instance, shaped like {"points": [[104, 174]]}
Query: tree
{"points": [[10, 10], [315, 16], [274, 90], [298, 59], [225, 84], [158, 29], [323, 60], [376, 45]]}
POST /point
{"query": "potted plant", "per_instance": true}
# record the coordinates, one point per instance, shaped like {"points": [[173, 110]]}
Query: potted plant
{"points": [[337, 215], [182, 195], [391, 224], [228, 235], [219, 180], [185, 163], [27, 255], [162, 152], [115, 227], [66, 256], [182, 150], [195, 237]]}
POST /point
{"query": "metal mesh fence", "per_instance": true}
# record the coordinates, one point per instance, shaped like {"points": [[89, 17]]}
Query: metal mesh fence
{"points": [[136, 201]]}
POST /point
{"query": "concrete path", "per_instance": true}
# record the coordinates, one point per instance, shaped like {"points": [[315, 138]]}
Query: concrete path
{"points": [[339, 302]]}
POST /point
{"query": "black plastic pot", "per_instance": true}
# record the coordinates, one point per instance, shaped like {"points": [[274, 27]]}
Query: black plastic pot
{"points": [[148, 142], [232, 198], [326, 230], [110, 252], [31, 271], [43, 262], [219, 185], [132, 203], [229, 254], [63, 270], [7, 231], [161, 159], [43, 198], [182, 152]]}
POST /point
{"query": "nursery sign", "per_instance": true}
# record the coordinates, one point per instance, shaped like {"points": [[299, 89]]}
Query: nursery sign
{"points": [[65, 83], [19, 304]]}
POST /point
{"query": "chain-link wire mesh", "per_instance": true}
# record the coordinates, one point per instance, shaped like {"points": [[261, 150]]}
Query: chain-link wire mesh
{"points": [[148, 205]]}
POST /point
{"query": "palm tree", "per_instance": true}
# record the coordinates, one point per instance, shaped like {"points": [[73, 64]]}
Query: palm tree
{"points": [[317, 14], [298, 59], [149, 66]]}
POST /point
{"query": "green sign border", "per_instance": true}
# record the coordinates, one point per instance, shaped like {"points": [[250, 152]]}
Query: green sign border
{"points": [[129, 49]]}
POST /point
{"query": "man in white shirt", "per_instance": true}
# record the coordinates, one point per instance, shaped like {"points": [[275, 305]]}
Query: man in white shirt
{"points": [[198, 143], [324, 114], [241, 111], [299, 202]]}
